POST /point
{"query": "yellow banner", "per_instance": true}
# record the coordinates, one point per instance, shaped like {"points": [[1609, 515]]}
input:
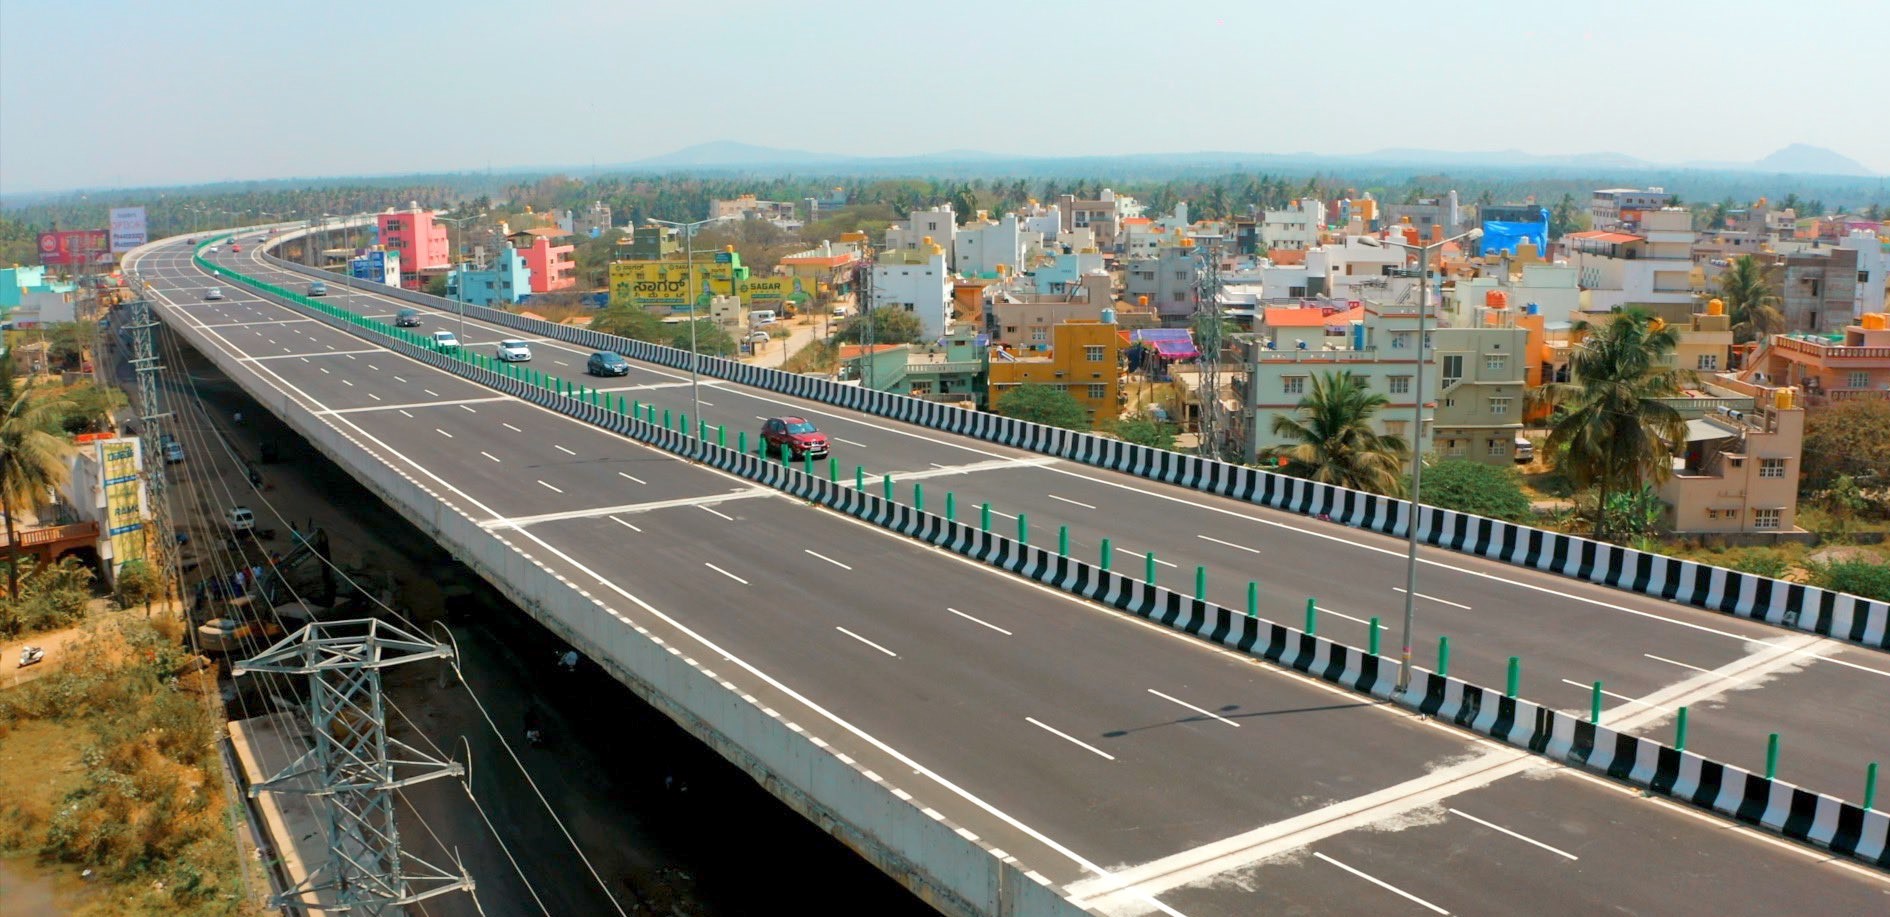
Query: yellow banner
{"points": [[667, 283], [774, 290], [124, 500]]}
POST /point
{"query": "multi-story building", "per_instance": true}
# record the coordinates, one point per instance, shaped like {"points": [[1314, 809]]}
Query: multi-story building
{"points": [[1819, 289], [1483, 372], [829, 269], [1739, 472], [1024, 321], [924, 228], [1168, 280], [1381, 348], [1441, 213], [1614, 208], [552, 267], [1620, 269], [1295, 229], [421, 241], [918, 281], [1551, 288], [1104, 215], [746, 206], [1824, 370], [1064, 271], [505, 280], [1083, 360], [28, 295], [1873, 270], [589, 223], [986, 247], [1703, 340]]}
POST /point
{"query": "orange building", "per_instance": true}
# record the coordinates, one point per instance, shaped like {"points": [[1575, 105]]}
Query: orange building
{"points": [[1829, 370], [1084, 360]]}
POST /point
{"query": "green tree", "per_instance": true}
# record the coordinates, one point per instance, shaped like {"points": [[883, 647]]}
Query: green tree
{"points": [[1750, 293], [1847, 438], [1334, 440], [31, 461], [1473, 487], [631, 322], [710, 340], [89, 407], [1145, 431], [1609, 430], [891, 325], [1044, 404], [436, 285], [138, 583], [1870, 579]]}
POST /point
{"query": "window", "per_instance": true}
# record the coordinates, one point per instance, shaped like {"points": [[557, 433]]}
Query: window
{"points": [[1039, 334], [1496, 362], [1453, 447], [1708, 361], [1765, 518], [1453, 369], [1401, 385], [1098, 390], [1400, 340], [1771, 467], [1499, 406], [1857, 379], [1450, 402], [1293, 385], [1498, 448], [1093, 353], [1396, 427]]}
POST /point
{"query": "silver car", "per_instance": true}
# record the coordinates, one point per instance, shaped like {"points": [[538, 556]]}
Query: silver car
{"points": [[515, 351]]}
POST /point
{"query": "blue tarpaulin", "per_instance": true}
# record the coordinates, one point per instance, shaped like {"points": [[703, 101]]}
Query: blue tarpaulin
{"points": [[1504, 236]]}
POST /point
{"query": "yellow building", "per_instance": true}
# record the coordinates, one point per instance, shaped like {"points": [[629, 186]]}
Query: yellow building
{"points": [[1083, 360]]}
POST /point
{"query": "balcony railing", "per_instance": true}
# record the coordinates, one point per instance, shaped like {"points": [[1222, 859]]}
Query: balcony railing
{"points": [[945, 367], [1831, 351], [1322, 356]]}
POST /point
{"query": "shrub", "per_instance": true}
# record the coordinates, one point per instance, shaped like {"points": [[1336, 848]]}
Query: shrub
{"points": [[1473, 487], [1760, 562], [1870, 579]]}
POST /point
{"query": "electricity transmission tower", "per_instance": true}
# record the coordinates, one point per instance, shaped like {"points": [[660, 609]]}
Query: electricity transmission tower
{"points": [[355, 767], [1209, 340]]}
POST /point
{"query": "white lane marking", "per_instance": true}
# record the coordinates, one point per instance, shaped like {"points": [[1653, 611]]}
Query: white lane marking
{"points": [[561, 363], [1513, 834], [1070, 501], [632, 477], [549, 487], [1058, 732], [400, 380], [724, 573], [706, 403], [1434, 599], [1387, 886], [827, 559], [373, 367], [1176, 700], [324, 370], [849, 442], [510, 427], [1328, 611], [1144, 556], [1861, 668], [867, 642], [468, 410], [713, 510], [439, 431], [404, 413], [488, 455], [350, 355], [624, 524], [562, 449], [1676, 662], [347, 383], [431, 392], [519, 522], [1239, 547], [1620, 697], [977, 621], [374, 396]]}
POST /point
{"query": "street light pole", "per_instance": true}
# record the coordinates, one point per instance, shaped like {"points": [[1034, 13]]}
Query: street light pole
{"points": [[1417, 455], [689, 269]]}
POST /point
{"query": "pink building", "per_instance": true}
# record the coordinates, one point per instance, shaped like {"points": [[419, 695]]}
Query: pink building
{"points": [[421, 241], [552, 266]]}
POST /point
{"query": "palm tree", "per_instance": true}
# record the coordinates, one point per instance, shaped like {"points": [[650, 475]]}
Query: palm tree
{"points": [[1335, 441], [31, 460], [1611, 431], [1752, 300]]}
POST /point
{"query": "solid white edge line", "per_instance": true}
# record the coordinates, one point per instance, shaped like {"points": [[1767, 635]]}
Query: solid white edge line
{"points": [[1387, 886], [1677, 662], [1861, 668], [866, 641], [550, 487], [1172, 699], [1432, 598], [1067, 737], [977, 621], [1230, 544], [1520, 837], [1070, 501]]}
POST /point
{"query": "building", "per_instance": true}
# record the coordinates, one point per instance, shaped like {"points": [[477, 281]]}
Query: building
{"points": [[1083, 359], [1064, 271], [746, 206], [1819, 290], [1620, 269], [676, 283], [105, 491], [1168, 280], [1703, 341], [1828, 371], [924, 228], [1103, 216], [949, 370], [1296, 228], [506, 280], [917, 281], [551, 264], [1553, 290], [1505, 226], [829, 270], [1442, 214], [1025, 321], [1616, 208], [1483, 373], [1873, 270], [1380, 347], [987, 248], [1739, 472], [592, 222], [421, 241], [377, 266]]}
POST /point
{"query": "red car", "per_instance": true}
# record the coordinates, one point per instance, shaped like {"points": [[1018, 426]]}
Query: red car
{"points": [[235, 247], [796, 434]]}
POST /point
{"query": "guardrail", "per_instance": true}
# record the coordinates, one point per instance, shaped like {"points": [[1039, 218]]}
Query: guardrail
{"points": [[1848, 829], [1778, 602]]}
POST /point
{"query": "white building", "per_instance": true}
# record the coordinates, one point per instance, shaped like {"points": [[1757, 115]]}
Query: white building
{"points": [[985, 246], [1608, 204], [1652, 266], [1873, 263], [1046, 221], [919, 282], [1296, 227], [1551, 288], [938, 224], [1382, 349]]}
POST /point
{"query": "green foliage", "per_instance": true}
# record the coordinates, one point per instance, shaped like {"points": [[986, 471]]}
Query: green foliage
{"points": [[1848, 438], [51, 597], [1751, 294], [1333, 438], [1760, 562], [1870, 579], [631, 322], [138, 583], [1044, 404], [890, 325], [710, 340], [1629, 514], [1145, 431], [1473, 487], [1843, 503], [32, 460], [87, 407], [436, 285]]}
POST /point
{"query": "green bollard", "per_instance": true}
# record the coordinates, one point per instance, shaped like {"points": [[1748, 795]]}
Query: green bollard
{"points": [[1680, 731], [1023, 529], [859, 477], [951, 507], [1148, 567], [721, 436], [807, 464], [1105, 555], [1372, 639], [1870, 786], [702, 429], [1594, 705], [1312, 617], [620, 404], [833, 469], [682, 424], [666, 419], [1253, 599], [1063, 541], [787, 454], [1771, 756], [984, 517], [885, 486], [918, 497], [741, 442], [1443, 657], [1514, 682]]}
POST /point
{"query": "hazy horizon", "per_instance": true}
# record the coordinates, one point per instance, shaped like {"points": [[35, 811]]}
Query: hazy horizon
{"points": [[172, 95]]}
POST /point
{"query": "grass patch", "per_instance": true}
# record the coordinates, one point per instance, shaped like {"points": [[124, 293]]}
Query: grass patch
{"points": [[817, 357]]}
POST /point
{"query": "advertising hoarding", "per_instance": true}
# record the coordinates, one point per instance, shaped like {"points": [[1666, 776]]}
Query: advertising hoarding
{"points": [[124, 500], [73, 247], [128, 229]]}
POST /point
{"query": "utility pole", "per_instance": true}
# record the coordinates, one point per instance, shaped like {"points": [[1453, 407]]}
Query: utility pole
{"points": [[1207, 328], [866, 314], [354, 768]]}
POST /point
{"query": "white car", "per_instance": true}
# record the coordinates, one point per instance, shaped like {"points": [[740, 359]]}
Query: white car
{"points": [[445, 339], [215, 248], [515, 351], [758, 337], [213, 293]]}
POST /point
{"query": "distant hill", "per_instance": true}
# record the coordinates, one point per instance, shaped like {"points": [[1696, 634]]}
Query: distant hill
{"points": [[730, 153], [1812, 160]]}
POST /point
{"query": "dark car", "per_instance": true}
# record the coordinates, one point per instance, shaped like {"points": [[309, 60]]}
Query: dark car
{"points": [[796, 434], [605, 363], [407, 318]]}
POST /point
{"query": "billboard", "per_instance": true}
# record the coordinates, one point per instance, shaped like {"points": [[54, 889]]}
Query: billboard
{"points": [[667, 283], [128, 229], [75, 247], [124, 500], [774, 290]]}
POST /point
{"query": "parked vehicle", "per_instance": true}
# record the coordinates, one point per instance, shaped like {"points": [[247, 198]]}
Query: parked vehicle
{"points": [[606, 363], [1525, 450], [317, 288], [800, 437], [407, 318], [240, 520], [31, 655], [213, 293], [761, 317], [758, 337], [445, 339], [515, 351], [839, 311], [173, 452]]}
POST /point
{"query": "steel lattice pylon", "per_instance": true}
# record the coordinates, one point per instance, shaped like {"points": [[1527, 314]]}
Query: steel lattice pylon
{"points": [[356, 767], [1209, 341]]}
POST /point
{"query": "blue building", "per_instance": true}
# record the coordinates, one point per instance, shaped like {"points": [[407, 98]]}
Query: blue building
{"points": [[507, 280]]}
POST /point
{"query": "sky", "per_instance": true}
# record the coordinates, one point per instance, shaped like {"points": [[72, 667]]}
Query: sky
{"points": [[112, 93]]}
